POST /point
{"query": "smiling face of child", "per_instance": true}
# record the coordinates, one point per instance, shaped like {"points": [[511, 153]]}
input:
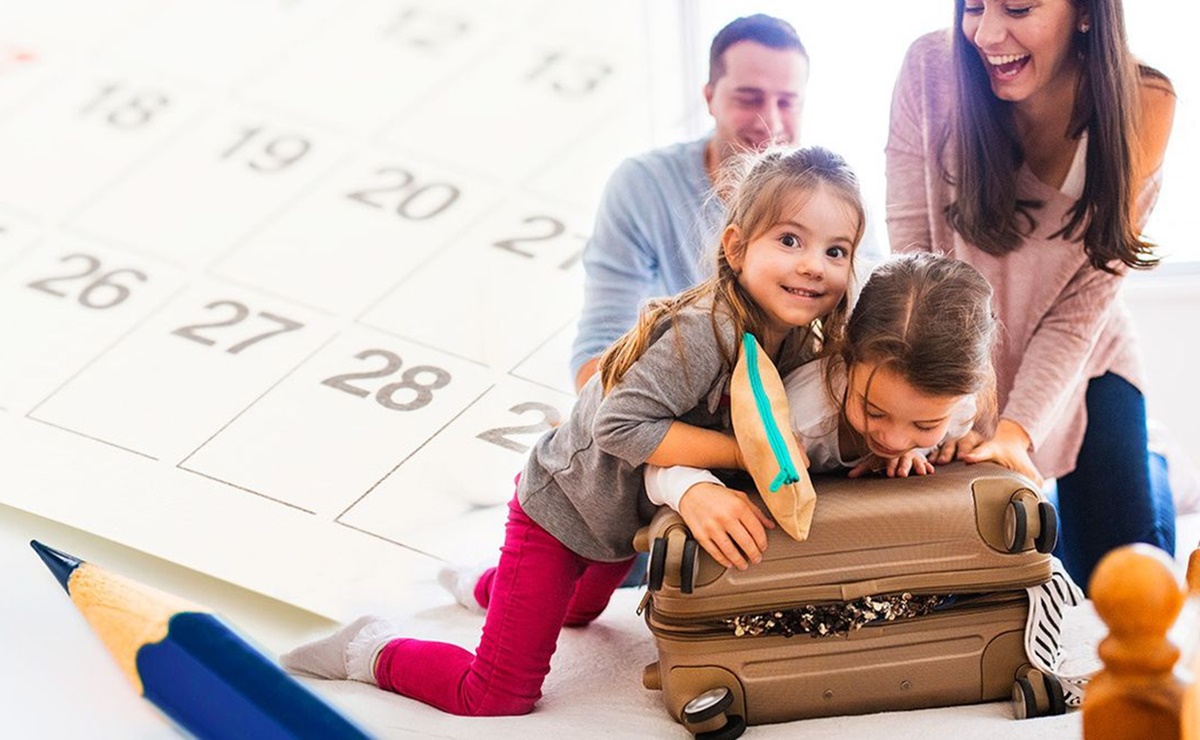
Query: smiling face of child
{"points": [[798, 269], [891, 415]]}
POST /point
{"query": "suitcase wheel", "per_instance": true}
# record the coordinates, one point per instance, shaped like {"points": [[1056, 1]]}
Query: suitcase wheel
{"points": [[658, 564], [1037, 694], [705, 716], [687, 566], [1048, 537], [1016, 526], [1026, 517], [734, 727], [707, 705]]}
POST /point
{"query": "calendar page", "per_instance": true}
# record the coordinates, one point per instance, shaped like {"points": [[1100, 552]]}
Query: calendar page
{"points": [[288, 288]]}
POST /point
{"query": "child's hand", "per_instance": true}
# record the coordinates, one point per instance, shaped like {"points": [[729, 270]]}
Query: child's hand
{"points": [[1010, 448], [910, 462], [896, 467], [952, 448], [869, 464], [726, 524]]}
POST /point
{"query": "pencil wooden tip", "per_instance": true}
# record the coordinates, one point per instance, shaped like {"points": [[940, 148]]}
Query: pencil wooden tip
{"points": [[60, 564]]}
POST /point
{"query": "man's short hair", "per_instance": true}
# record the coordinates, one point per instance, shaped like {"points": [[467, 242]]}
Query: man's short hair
{"points": [[761, 29]]}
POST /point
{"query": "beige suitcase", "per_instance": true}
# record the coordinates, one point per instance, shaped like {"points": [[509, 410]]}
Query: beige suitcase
{"points": [[962, 544]]}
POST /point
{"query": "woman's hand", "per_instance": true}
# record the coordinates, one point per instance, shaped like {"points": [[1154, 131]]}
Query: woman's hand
{"points": [[726, 524], [1010, 448], [952, 448]]}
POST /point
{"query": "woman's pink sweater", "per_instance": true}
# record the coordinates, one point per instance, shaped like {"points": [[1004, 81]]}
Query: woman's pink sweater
{"points": [[1063, 321]]}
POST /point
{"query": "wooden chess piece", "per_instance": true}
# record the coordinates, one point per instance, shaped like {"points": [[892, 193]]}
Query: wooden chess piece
{"points": [[1138, 694]]}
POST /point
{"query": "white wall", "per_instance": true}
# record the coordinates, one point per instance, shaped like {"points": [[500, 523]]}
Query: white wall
{"points": [[1165, 307]]}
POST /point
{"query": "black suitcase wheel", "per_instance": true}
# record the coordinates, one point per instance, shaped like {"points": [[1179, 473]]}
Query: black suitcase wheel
{"points": [[1048, 523], [658, 564], [687, 566], [710, 706], [707, 705], [1037, 694], [733, 728], [1016, 526], [1023, 700], [1058, 698]]}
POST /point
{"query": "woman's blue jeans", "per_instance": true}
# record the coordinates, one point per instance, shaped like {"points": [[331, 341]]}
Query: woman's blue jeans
{"points": [[1118, 492]]}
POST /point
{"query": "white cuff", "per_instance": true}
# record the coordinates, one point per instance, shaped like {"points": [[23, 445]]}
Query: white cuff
{"points": [[364, 648], [667, 485]]}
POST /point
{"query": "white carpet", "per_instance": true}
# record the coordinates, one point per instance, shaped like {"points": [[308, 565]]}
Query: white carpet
{"points": [[594, 690]]}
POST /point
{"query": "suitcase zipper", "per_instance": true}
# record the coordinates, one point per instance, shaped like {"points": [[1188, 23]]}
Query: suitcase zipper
{"points": [[787, 469], [717, 628]]}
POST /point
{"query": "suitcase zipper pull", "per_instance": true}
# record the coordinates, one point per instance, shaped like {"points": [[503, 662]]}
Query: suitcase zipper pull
{"points": [[645, 601], [787, 469]]}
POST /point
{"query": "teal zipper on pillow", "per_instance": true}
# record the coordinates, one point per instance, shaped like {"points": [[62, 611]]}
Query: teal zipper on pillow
{"points": [[787, 469]]}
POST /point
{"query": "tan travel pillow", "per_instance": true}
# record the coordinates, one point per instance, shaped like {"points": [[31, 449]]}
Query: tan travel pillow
{"points": [[762, 425]]}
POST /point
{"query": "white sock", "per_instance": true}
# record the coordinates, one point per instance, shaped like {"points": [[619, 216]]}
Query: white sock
{"points": [[460, 581], [348, 653]]}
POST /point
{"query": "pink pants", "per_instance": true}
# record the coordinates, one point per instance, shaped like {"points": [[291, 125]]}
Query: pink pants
{"points": [[538, 587]]}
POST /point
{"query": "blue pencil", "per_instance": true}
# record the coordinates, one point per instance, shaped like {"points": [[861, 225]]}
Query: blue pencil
{"points": [[191, 665]]}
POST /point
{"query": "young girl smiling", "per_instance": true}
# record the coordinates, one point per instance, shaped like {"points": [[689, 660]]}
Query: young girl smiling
{"points": [[783, 269]]}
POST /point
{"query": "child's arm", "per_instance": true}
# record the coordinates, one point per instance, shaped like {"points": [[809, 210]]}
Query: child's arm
{"points": [[724, 521], [681, 375], [685, 444]]}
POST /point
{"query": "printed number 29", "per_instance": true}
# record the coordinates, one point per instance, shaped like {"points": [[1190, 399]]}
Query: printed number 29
{"points": [[500, 436]]}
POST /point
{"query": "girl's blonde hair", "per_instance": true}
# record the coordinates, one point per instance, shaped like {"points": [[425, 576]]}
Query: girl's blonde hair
{"points": [[757, 188], [927, 318]]}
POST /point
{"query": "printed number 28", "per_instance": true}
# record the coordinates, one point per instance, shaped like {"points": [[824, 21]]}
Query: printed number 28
{"points": [[386, 395]]}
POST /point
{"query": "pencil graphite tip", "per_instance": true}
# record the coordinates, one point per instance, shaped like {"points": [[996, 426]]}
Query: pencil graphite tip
{"points": [[60, 564]]}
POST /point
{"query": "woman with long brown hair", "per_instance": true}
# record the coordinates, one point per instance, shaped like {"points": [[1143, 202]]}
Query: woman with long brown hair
{"points": [[1027, 141]]}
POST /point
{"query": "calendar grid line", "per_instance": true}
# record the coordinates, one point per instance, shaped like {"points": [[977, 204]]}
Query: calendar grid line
{"points": [[137, 325], [513, 370], [251, 491], [303, 39], [389, 540], [329, 340], [266, 222], [85, 435], [167, 141], [416, 270], [410, 455], [332, 267]]}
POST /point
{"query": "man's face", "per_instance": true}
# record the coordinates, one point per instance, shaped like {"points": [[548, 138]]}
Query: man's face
{"points": [[759, 98]]}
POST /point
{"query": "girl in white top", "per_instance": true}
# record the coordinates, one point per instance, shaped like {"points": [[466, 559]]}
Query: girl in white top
{"points": [[913, 372]]}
